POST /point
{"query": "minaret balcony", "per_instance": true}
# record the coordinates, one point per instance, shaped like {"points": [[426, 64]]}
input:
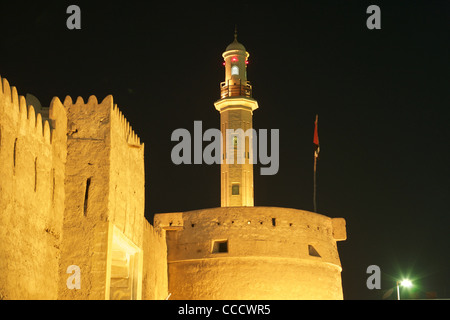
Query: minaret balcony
{"points": [[235, 90]]}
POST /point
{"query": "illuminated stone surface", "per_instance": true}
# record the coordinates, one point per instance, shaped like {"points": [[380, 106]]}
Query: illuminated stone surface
{"points": [[267, 256], [72, 193]]}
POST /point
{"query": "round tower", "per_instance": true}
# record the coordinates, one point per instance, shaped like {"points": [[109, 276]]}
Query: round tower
{"points": [[252, 253]]}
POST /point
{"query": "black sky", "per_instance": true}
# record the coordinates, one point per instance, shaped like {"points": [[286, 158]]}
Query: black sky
{"points": [[382, 96]]}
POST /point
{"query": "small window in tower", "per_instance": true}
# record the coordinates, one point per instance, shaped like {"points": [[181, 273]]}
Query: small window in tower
{"points": [[235, 189], [15, 153], [313, 252], [86, 196], [35, 174], [220, 246], [234, 70]]}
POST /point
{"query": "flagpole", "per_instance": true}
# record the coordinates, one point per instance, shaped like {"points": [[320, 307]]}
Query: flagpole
{"points": [[315, 185], [316, 155]]}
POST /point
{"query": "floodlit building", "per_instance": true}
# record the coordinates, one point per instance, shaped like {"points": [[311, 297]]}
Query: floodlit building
{"points": [[72, 194], [72, 222]]}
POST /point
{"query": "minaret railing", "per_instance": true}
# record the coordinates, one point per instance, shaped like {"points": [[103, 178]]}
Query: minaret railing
{"points": [[235, 89]]}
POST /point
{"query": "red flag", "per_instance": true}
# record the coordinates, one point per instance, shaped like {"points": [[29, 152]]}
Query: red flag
{"points": [[316, 137]]}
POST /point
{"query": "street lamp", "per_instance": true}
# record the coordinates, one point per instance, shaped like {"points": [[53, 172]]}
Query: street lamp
{"points": [[404, 283]]}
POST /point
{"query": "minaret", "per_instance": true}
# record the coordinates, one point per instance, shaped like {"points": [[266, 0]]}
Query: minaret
{"points": [[236, 107]]}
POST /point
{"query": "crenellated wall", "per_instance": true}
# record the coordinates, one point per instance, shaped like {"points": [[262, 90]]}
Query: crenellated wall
{"points": [[127, 178], [104, 194], [72, 192], [85, 228], [32, 157]]}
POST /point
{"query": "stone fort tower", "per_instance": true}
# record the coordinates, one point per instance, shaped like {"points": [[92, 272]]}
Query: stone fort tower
{"points": [[72, 198], [239, 251]]}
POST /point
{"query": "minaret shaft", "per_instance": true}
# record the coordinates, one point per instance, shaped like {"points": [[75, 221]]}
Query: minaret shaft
{"points": [[236, 178]]}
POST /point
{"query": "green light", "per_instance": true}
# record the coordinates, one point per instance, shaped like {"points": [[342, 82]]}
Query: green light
{"points": [[406, 283]]}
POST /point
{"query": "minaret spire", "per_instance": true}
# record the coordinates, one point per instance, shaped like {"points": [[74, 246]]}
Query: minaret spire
{"points": [[236, 107]]}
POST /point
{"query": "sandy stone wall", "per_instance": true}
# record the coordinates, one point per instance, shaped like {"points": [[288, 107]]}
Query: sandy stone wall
{"points": [[126, 178], [155, 280], [32, 156], [271, 253], [104, 188], [72, 193], [85, 229]]}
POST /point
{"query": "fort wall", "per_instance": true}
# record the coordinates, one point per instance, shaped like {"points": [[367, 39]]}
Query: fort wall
{"points": [[155, 277], [253, 253], [127, 178], [72, 193], [85, 228], [104, 212], [32, 156]]}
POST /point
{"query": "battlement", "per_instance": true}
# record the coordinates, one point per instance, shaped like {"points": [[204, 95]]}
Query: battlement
{"points": [[117, 119], [125, 130], [24, 118]]}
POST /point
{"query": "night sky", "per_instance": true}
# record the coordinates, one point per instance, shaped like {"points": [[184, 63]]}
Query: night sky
{"points": [[382, 96]]}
